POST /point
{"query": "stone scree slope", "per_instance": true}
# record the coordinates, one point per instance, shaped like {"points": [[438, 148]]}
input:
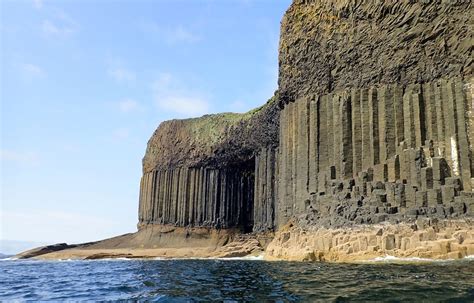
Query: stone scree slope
{"points": [[373, 120]]}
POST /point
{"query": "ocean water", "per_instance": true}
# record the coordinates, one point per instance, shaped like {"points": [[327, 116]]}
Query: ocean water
{"points": [[235, 281]]}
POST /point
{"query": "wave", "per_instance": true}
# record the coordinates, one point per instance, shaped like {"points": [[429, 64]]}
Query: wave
{"points": [[394, 259], [471, 257], [253, 258], [9, 259], [245, 258]]}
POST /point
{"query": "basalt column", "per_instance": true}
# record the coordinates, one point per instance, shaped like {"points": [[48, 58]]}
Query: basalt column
{"points": [[315, 152], [382, 134], [220, 198], [265, 195]]}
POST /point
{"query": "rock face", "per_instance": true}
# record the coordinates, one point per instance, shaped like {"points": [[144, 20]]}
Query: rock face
{"points": [[373, 121], [201, 172], [392, 148], [336, 45], [377, 109], [426, 239]]}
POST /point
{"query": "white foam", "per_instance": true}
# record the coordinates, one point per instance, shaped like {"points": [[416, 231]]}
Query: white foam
{"points": [[9, 259], [471, 257], [112, 259], [393, 259], [245, 258], [254, 258], [389, 259], [115, 259]]}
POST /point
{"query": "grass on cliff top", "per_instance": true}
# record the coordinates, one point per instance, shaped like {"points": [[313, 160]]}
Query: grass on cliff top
{"points": [[213, 128]]}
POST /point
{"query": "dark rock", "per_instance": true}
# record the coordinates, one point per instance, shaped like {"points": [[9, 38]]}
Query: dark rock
{"points": [[44, 250]]}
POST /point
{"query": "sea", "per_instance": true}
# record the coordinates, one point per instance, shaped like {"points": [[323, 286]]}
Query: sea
{"points": [[236, 280]]}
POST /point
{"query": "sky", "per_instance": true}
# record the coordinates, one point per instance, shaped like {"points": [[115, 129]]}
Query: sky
{"points": [[85, 83]]}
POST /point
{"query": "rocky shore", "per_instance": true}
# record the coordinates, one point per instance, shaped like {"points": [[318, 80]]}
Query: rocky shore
{"points": [[428, 239], [424, 239], [159, 241]]}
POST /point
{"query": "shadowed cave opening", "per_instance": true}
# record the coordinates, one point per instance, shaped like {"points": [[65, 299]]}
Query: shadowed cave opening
{"points": [[246, 172]]}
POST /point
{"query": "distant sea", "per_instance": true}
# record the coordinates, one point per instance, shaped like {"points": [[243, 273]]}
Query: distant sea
{"points": [[235, 281]]}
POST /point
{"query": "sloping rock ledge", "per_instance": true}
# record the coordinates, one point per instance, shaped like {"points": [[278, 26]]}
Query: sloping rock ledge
{"points": [[423, 238]]}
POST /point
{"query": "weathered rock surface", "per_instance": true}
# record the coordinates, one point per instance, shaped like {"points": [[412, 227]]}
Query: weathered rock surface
{"points": [[221, 198], [44, 250], [377, 115], [336, 45], [214, 141], [425, 239], [149, 242], [200, 172], [242, 246], [379, 151], [376, 123]]}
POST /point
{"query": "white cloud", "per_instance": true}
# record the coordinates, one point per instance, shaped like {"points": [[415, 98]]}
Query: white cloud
{"points": [[52, 29], [181, 34], [171, 35], [49, 28], [121, 133], [128, 105], [32, 70], [122, 75], [22, 158], [171, 96], [60, 25], [38, 4], [163, 82]]}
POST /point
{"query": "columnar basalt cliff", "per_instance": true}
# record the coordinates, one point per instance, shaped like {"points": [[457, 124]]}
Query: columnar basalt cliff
{"points": [[212, 171], [366, 148], [377, 113]]}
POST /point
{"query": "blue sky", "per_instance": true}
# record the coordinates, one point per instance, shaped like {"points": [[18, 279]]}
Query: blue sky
{"points": [[85, 83]]}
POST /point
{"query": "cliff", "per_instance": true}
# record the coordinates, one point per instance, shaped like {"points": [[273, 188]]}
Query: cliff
{"points": [[372, 127], [376, 120], [215, 141], [201, 172], [335, 45], [375, 125]]}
